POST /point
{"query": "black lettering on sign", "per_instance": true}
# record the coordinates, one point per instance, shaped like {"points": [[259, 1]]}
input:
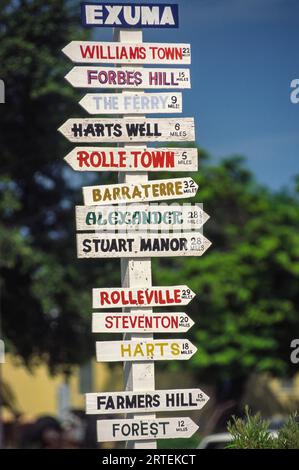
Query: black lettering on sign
{"points": [[86, 245], [139, 428], [143, 130], [163, 244], [124, 402]]}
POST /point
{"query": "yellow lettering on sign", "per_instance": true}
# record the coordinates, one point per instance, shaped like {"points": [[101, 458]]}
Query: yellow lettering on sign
{"points": [[136, 192], [146, 189], [178, 188], [138, 351], [150, 349], [156, 190], [116, 193], [125, 192], [161, 346], [107, 195], [175, 349], [171, 189], [96, 195], [125, 349]]}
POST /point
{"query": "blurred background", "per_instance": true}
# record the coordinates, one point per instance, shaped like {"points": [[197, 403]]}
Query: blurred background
{"points": [[244, 57]]}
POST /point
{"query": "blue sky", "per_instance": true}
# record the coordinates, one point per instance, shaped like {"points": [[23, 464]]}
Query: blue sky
{"points": [[244, 56]]}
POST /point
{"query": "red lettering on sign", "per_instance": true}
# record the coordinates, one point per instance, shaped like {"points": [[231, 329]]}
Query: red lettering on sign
{"points": [[140, 297]]}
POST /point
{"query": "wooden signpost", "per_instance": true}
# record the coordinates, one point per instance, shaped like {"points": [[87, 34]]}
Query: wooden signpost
{"points": [[145, 401], [145, 350], [132, 159], [140, 322], [140, 245], [115, 297], [137, 103], [141, 429], [125, 53], [176, 227], [155, 190], [128, 130], [145, 217], [128, 78]]}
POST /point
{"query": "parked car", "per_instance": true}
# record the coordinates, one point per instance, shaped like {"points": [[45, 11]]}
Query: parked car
{"points": [[215, 441]]}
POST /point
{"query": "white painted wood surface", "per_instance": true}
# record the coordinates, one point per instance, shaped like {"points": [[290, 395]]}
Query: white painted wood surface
{"points": [[146, 401], [138, 245], [91, 130], [159, 428], [137, 297], [132, 159], [145, 350], [154, 190], [125, 53], [140, 322], [142, 217], [128, 78], [137, 103]]}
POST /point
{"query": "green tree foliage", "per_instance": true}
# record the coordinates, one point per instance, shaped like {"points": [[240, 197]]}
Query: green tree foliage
{"points": [[253, 432], [246, 309], [46, 292]]}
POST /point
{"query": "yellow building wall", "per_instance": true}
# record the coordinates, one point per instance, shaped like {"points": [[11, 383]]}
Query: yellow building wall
{"points": [[36, 392]]}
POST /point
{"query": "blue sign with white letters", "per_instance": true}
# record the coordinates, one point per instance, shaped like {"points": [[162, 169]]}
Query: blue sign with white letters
{"points": [[128, 15]]}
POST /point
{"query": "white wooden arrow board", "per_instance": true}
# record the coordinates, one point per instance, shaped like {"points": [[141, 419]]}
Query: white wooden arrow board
{"points": [[132, 103], [128, 130], [145, 401], [140, 245], [132, 159], [136, 217], [145, 350], [128, 78], [140, 322], [142, 429], [116, 297], [137, 54], [154, 190]]}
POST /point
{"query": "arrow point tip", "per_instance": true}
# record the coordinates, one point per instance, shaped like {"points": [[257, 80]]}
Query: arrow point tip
{"points": [[194, 348], [193, 294], [206, 216]]}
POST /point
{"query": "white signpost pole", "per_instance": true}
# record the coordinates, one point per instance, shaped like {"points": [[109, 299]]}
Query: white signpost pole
{"points": [[138, 376]]}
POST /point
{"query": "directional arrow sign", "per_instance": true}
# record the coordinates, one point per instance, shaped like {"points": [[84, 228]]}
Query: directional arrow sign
{"points": [[128, 130], [137, 217], [140, 322], [146, 401], [120, 53], [154, 190], [115, 297], [132, 159], [141, 429], [132, 103], [140, 245], [128, 77], [145, 350]]}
